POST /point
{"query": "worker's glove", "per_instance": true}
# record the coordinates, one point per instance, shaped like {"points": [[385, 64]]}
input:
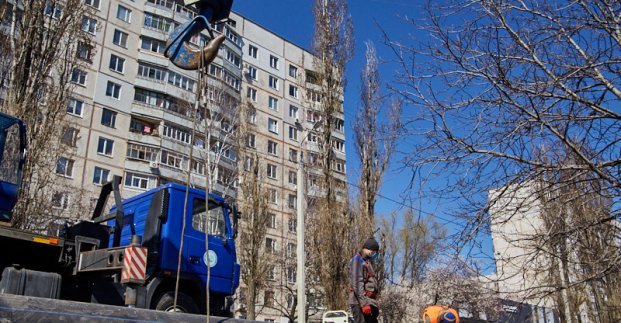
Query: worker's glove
{"points": [[366, 310]]}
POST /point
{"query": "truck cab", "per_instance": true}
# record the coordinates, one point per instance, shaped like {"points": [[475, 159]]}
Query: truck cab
{"points": [[204, 232], [12, 151]]}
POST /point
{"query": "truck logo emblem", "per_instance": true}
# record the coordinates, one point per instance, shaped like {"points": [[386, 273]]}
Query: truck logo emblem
{"points": [[213, 258]]}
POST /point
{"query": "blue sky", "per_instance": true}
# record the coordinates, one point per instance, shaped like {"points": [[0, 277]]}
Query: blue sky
{"points": [[293, 20]]}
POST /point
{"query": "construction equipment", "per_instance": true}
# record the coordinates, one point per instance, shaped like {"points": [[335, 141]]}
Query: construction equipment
{"points": [[178, 48]]}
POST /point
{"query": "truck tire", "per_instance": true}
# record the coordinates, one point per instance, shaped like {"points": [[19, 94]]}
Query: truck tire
{"points": [[185, 304]]}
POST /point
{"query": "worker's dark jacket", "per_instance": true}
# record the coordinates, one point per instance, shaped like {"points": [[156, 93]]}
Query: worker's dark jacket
{"points": [[362, 282]]}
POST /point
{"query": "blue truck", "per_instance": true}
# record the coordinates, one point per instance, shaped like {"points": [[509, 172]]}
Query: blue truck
{"points": [[164, 242]]}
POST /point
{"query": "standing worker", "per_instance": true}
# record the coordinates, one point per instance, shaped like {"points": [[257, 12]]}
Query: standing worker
{"points": [[363, 284]]}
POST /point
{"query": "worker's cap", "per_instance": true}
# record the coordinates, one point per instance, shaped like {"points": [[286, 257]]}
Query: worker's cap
{"points": [[448, 317], [371, 244]]}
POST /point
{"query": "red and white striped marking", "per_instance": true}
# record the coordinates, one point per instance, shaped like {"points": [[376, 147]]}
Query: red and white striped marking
{"points": [[134, 265]]}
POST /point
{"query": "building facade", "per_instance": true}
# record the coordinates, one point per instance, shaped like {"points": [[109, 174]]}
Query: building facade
{"points": [[132, 114]]}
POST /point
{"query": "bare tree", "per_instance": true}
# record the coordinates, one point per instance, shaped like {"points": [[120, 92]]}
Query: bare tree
{"points": [[497, 82], [374, 137], [333, 44], [42, 50]]}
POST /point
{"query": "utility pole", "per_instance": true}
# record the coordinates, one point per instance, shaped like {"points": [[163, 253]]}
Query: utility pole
{"points": [[301, 255]]}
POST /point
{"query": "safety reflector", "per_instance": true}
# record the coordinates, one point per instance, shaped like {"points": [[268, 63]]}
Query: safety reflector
{"points": [[134, 265]]}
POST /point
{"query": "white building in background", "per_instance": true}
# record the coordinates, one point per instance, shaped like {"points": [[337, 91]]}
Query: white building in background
{"points": [[130, 115]]}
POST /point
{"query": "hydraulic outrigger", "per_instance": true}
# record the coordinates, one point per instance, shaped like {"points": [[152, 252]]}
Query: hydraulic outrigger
{"points": [[178, 48]]}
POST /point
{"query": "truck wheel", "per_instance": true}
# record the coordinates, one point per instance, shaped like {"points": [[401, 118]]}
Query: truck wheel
{"points": [[185, 304]]}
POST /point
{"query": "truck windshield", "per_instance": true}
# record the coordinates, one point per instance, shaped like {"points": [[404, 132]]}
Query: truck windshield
{"points": [[10, 154], [211, 222]]}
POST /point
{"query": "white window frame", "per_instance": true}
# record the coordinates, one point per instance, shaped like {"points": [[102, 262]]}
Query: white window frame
{"points": [[73, 104], [294, 112], [127, 17], [105, 142], [64, 167], [295, 91], [272, 125], [89, 25], [274, 62], [117, 64], [101, 173], [252, 72], [272, 148], [92, 3], [113, 90], [252, 94], [293, 133], [122, 38], [293, 71], [253, 51], [273, 82], [81, 76], [272, 103]]}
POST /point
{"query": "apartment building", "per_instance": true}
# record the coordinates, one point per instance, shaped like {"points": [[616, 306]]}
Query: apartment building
{"points": [[131, 114]]}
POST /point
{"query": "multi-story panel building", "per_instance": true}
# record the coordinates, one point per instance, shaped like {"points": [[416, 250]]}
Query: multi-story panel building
{"points": [[131, 114]]}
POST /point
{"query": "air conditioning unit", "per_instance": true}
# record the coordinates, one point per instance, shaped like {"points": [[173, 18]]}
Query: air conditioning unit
{"points": [[154, 164]]}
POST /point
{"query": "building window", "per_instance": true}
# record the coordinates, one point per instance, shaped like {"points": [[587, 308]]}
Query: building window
{"points": [[151, 72], [293, 71], [60, 200], [291, 275], [92, 3], [233, 58], [141, 127], [313, 96], [78, 76], [89, 25], [140, 181], [272, 147], [248, 162], [273, 82], [290, 300], [140, 152], [293, 112], [156, 22], [268, 299], [273, 103], [117, 64], [124, 14], [252, 116], [252, 94], [153, 45], [120, 38], [291, 250], [104, 146], [108, 118], [251, 140], [75, 107], [173, 160], [272, 196], [56, 11], [272, 125], [252, 72], [273, 61], [293, 133], [177, 134], [252, 51], [85, 52], [100, 176], [270, 245], [64, 167], [339, 125], [70, 136], [272, 171], [293, 155], [272, 223], [271, 273], [293, 225], [293, 177], [113, 90], [338, 145], [293, 91], [293, 202], [181, 81]]}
